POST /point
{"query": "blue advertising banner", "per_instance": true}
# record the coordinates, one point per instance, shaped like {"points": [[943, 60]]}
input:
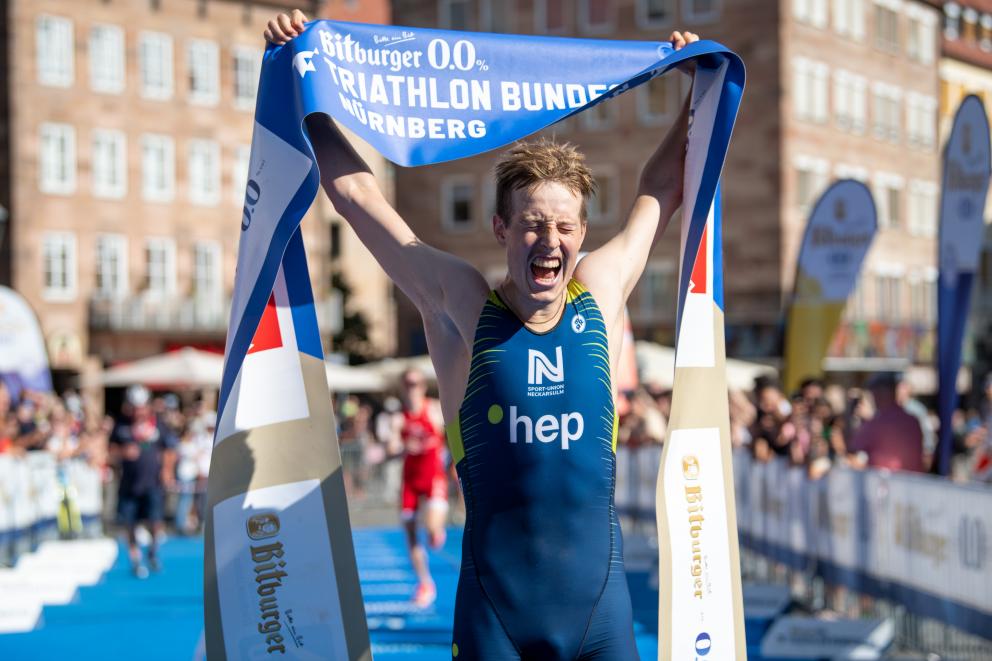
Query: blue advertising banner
{"points": [[418, 96], [962, 222]]}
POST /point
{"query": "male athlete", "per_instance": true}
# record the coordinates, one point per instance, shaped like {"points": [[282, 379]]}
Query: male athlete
{"points": [[524, 374], [421, 429]]}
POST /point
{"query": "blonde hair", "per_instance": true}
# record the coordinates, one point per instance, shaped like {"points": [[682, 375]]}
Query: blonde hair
{"points": [[527, 164]]}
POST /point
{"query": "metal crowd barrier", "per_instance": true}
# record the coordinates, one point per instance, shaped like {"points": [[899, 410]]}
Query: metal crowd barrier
{"points": [[42, 498], [912, 547]]}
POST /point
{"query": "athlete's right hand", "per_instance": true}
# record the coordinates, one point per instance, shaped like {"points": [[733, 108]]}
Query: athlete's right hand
{"points": [[283, 28]]}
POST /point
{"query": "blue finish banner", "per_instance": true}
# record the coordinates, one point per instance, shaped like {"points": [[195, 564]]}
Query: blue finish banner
{"points": [[962, 223], [418, 96]]}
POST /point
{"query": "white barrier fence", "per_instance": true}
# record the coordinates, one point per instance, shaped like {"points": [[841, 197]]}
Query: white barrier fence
{"points": [[915, 540], [40, 496]]}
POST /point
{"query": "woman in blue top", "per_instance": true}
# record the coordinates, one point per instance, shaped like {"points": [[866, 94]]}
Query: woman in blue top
{"points": [[524, 374]]}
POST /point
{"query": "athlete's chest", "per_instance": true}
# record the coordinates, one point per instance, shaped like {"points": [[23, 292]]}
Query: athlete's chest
{"points": [[549, 381]]}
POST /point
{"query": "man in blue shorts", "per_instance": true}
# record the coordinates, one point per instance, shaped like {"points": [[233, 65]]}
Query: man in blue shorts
{"points": [[525, 380], [145, 451]]}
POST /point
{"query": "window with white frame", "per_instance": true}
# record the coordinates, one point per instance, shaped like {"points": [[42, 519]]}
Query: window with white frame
{"points": [[111, 266], [809, 94], [887, 24], [888, 199], [155, 65], [657, 290], [921, 120], [203, 170], [952, 20], [488, 199], [811, 12], [203, 62], [57, 171], [601, 116], [109, 163], [886, 110], [247, 65], [160, 268], [54, 51], [985, 40], [107, 59], [596, 16], [603, 206], [158, 167], [850, 101], [701, 11], [495, 16], [922, 298], [921, 208], [58, 250], [207, 273], [659, 99], [549, 16], [930, 296], [888, 294], [812, 175], [969, 26], [655, 13], [849, 18], [457, 202], [850, 171], [239, 172], [455, 14], [921, 33]]}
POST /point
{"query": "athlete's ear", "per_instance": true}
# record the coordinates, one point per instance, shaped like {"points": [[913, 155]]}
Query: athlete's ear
{"points": [[499, 229]]}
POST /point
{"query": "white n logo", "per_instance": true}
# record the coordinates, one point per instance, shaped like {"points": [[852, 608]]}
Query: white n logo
{"points": [[539, 367]]}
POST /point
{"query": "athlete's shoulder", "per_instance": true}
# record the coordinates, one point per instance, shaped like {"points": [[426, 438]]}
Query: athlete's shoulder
{"points": [[602, 285]]}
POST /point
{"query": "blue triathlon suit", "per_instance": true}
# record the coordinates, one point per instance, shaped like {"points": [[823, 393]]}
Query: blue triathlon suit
{"points": [[534, 443]]}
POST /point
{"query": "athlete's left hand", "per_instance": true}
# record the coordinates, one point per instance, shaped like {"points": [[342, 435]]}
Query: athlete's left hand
{"points": [[681, 39], [284, 28]]}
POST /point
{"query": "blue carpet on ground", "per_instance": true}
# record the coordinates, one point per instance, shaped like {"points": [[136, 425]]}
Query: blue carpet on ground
{"points": [[161, 617]]}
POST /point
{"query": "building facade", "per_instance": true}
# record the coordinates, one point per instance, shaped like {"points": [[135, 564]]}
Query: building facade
{"points": [[836, 89], [127, 126]]}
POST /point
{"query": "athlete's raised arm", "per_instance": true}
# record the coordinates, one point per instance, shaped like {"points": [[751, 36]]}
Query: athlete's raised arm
{"points": [[611, 271], [438, 283]]}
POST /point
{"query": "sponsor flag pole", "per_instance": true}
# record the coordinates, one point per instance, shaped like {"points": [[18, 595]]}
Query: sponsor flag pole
{"points": [[280, 574], [962, 223], [700, 609], [838, 235]]}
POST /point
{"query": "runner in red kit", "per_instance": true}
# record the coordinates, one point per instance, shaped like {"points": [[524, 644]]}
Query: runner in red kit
{"points": [[423, 477]]}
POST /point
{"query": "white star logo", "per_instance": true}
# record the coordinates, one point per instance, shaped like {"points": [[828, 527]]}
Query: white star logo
{"points": [[302, 63]]}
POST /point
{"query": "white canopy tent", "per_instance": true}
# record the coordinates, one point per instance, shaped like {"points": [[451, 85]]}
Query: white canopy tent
{"points": [[391, 369], [345, 378], [192, 368], [656, 364], [184, 368]]}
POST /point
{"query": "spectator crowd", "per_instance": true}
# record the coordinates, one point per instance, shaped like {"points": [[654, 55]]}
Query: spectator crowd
{"points": [[821, 425], [163, 442], [153, 444]]}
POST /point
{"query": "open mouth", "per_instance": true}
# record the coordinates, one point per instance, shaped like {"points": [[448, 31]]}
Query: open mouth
{"points": [[545, 270]]}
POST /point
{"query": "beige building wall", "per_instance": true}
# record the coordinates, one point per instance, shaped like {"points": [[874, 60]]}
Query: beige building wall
{"points": [[784, 154], [617, 141], [81, 326], [873, 116]]}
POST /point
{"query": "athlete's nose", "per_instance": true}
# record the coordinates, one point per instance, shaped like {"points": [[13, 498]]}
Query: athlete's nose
{"points": [[550, 238]]}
